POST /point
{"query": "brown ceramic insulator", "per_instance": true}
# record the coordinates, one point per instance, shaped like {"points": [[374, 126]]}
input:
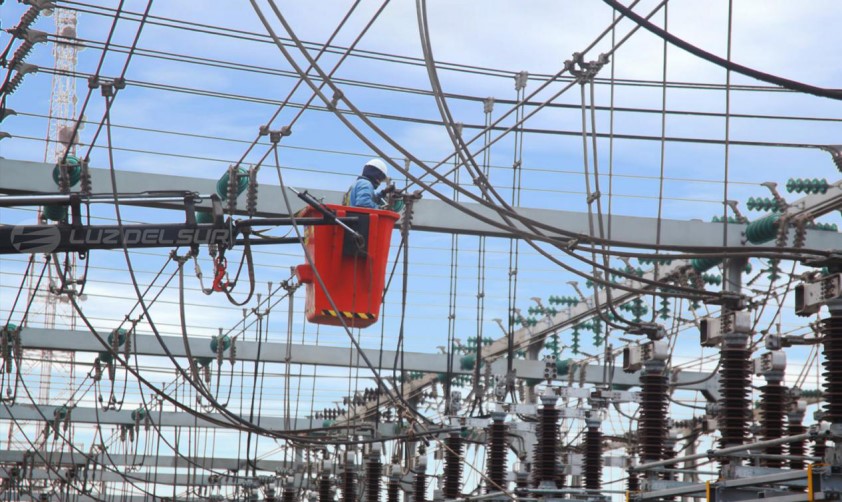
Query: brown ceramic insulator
{"points": [[833, 368], [773, 399], [420, 488], [652, 422], [393, 490], [453, 466], [796, 448], [734, 404], [289, 495], [819, 448], [592, 462], [633, 482], [324, 489], [349, 486], [373, 473], [497, 444], [544, 464]]}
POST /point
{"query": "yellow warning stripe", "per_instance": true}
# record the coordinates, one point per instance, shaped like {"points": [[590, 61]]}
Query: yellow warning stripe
{"points": [[349, 315]]}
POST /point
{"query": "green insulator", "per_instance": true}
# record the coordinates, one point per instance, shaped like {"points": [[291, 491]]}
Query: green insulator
{"points": [[139, 414], [327, 423], [713, 280], [649, 261], [806, 185], [74, 171], [562, 366], [762, 204], [214, 343], [532, 382], [204, 216], [748, 268], [702, 264], [204, 362], [763, 230], [467, 362], [619, 386], [55, 212], [106, 357], [242, 183], [121, 338], [550, 311], [528, 321], [597, 341]]}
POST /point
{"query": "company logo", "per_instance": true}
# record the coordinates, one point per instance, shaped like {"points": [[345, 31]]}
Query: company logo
{"points": [[32, 239], [48, 238]]}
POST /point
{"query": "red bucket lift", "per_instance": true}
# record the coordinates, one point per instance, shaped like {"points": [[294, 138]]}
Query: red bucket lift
{"points": [[354, 277]]}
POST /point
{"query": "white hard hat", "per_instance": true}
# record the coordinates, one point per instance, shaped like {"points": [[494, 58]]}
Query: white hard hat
{"points": [[379, 165]]}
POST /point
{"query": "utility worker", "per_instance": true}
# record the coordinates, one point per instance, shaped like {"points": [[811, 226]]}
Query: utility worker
{"points": [[361, 193]]}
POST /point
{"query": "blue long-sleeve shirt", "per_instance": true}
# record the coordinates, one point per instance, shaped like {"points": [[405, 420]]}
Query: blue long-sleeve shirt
{"points": [[362, 194]]}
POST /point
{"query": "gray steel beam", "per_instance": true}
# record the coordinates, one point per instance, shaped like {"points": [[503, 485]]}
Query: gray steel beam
{"points": [[147, 345], [594, 374], [164, 419], [22, 177], [99, 498], [271, 352], [68, 459], [159, 478]]}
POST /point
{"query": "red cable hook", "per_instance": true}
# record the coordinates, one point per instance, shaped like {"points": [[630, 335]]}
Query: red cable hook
{"points": [[219, 282]]}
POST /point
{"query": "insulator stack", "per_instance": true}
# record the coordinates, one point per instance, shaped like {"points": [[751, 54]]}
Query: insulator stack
{"points": [[734, 382], [633, 482], [521, 483], [796, 448], [497, 444], [420, 488], [393, 490], [652, 425], [544, 463], [453, 445], [772, 403], [833, 365], [324, 488], [349, 484], [592, 463], [374, 471], [561, 477], [819, 448], [669, 453], [289, 494]]}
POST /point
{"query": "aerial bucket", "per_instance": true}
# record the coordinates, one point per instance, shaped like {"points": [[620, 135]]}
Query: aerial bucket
{"points": [[354, 276]]}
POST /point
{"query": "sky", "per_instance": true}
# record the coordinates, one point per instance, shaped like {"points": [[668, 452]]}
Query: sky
{"points": [[161, 128]]}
